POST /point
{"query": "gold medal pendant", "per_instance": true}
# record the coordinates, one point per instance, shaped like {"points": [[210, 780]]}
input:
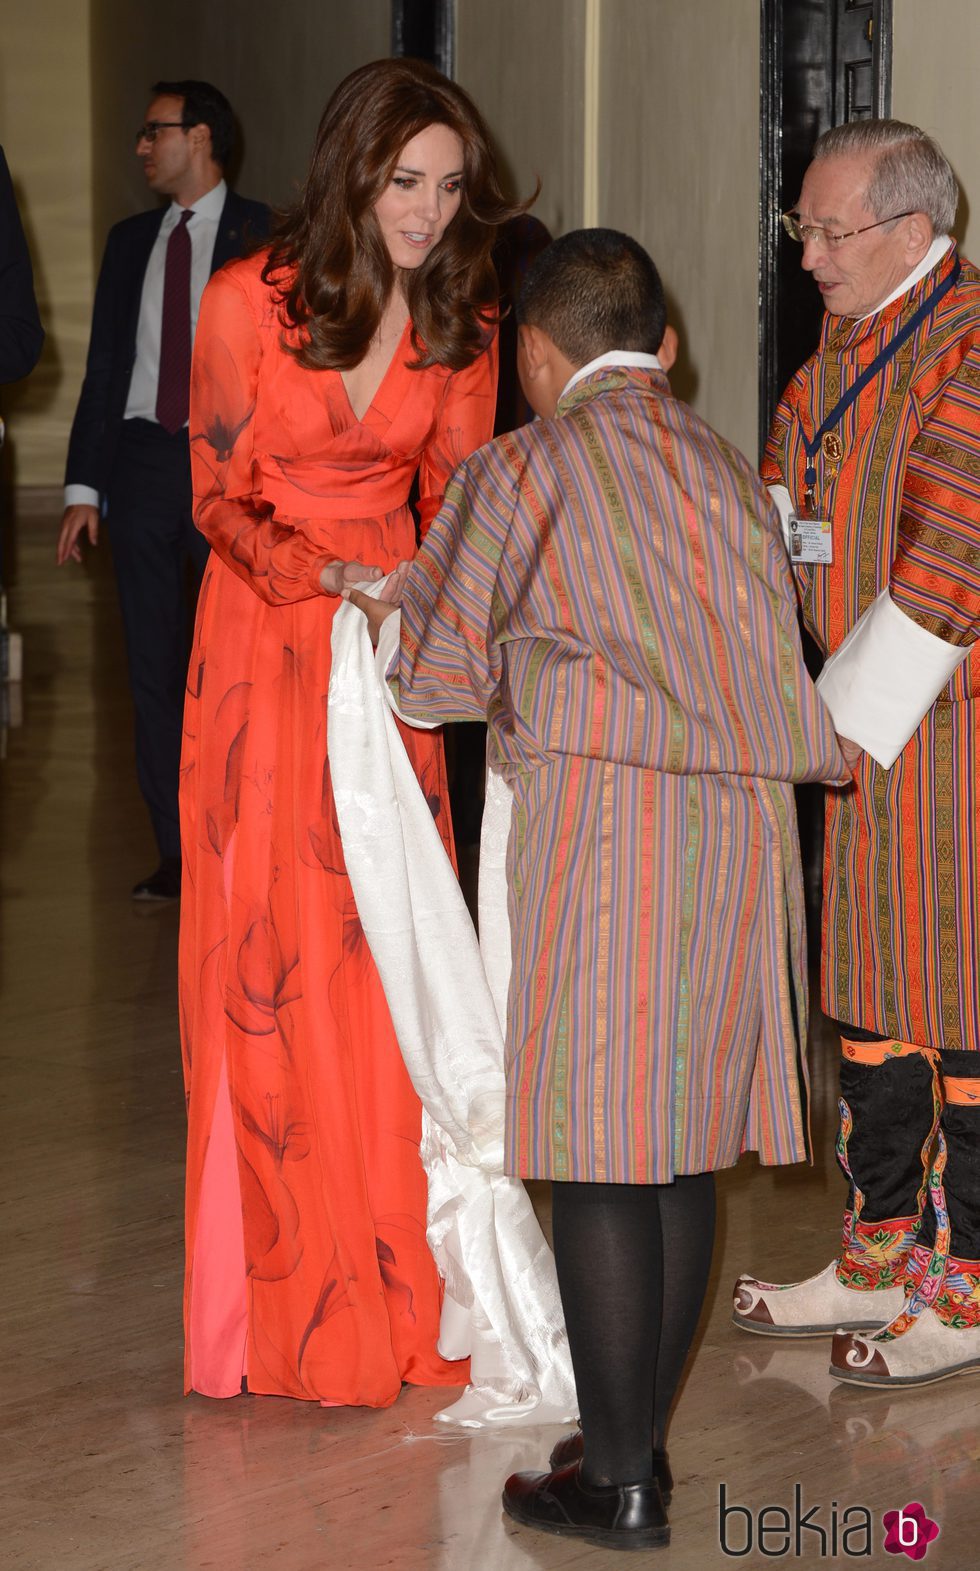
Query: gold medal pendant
{"points": [[832, 447]]}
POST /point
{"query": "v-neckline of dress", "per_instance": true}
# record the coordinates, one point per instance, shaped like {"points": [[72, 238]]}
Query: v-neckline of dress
{"points": [[395, 355]]}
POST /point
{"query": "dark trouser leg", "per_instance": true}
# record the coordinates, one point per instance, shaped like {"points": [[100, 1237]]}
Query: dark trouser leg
{"points": [[609, 1253], [889, 1113], [153, 546], [951, 1225], [469, 742]]}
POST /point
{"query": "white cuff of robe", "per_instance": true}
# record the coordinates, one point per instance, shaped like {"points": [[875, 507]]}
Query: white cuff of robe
{"points": [[384, 658], [784, 507], [885, 677]]}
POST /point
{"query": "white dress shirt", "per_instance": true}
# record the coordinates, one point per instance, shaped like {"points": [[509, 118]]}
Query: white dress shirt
{"points": [[612, 357], [141, 402]]}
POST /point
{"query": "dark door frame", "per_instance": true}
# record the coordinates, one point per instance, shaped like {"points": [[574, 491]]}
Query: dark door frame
{"points": [[426, 30], [770, 171]]}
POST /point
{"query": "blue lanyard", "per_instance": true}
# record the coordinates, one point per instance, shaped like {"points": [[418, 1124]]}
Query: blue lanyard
{"points": [[877, 365]]}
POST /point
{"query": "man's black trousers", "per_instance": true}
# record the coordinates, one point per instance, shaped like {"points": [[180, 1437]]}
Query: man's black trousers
{"points": [[159, 559]]}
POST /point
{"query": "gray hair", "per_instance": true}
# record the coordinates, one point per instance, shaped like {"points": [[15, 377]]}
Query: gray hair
{"points": [[911, 172]]}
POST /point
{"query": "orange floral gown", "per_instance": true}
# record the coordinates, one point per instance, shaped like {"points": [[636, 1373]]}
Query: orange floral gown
{"points": [[307, 1268]]}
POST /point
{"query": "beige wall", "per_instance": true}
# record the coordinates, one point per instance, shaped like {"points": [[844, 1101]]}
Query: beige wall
{"points": [[934, 85], [637, 119], [44, 127], [524, 66], [679, 169], [277, 64]]}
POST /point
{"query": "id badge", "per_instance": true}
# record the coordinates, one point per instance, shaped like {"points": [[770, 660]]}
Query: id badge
{"points": [[811, 541]]}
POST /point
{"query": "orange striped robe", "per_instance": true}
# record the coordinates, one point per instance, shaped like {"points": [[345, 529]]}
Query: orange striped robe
{"points": [[610, 588], [901, 918]]}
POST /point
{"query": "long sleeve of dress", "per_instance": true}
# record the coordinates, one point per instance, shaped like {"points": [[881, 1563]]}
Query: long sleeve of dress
{"points": [[276, 560], [465, 423]]}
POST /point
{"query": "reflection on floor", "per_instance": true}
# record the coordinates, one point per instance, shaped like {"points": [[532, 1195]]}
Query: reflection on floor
{"points": [[106, 1465]]}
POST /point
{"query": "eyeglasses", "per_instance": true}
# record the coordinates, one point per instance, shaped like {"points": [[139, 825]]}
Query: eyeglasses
{"points": [[804, 232], [152, 129]]}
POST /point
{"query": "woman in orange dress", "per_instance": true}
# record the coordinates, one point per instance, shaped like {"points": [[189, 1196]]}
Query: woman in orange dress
{"points": [[329, 372]]}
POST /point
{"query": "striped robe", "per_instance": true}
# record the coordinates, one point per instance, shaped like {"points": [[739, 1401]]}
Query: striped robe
{"points": [[610, 589], [902, 871]]}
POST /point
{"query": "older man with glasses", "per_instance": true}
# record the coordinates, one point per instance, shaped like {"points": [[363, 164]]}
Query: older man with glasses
{"points": [[874, 463], [128, 455]]}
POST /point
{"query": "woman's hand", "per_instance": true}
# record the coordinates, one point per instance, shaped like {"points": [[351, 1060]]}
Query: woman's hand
{"points": [[337, 577], [376, 611], [396, 583]]}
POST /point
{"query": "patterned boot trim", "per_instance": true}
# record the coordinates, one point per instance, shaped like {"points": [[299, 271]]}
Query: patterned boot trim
{"points": [[957, 1303], [958, 1300], [874, 1053], [926, 1290], [876, 1254], [916, 1267]]}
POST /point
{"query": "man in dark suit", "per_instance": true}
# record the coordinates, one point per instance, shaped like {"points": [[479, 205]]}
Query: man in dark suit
{"points": [[21, 341], [21, 333], [128, 454]]}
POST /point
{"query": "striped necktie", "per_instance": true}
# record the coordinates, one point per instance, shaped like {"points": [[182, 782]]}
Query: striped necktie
{"points": [[173, 388]]}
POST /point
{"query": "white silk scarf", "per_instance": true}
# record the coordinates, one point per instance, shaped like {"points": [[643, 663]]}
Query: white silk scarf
{"points": [[501, 1306]]}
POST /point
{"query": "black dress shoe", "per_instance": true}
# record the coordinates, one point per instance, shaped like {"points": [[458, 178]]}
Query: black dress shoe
{"points": [[164, 884], [570, 1449], [617, 1516]]}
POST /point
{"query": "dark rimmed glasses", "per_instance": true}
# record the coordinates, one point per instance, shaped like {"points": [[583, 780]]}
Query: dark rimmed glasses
{"points": [[804, 232]]}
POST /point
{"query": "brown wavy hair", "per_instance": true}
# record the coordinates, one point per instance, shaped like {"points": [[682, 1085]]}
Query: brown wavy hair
{"points": [[328, 261]]}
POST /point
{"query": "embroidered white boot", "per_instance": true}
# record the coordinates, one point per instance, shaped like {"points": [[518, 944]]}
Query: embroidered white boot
{"points": [[926, 1350], [818, 1306], [936, 1333]]}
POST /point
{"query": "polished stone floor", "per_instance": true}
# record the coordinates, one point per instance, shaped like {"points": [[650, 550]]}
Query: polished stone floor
{"points": [[105, 1465]]}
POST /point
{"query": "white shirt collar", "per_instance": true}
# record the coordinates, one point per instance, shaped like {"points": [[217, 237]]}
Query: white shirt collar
{"points": [[632, 357], [935, 254], [207, 206]]}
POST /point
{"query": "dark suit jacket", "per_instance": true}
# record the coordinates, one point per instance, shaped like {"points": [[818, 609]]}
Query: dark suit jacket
{"points": [[112, 346], [21, 333]]}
